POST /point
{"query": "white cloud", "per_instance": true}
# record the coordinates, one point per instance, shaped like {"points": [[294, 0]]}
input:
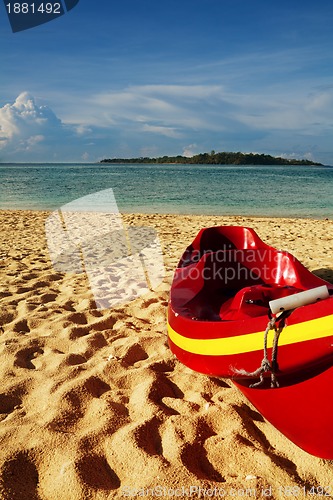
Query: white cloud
{"points": [[299, 155], [190, 150], [85, 156], [167, 131], [24, 125], [178, 110], [162, 118], [298, 111], [82, 130], [170, 106], [32, 132], [183, 91], [33, 140]]}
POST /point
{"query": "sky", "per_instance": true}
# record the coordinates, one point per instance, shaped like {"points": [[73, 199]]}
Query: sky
{"points": [[151, 78]]}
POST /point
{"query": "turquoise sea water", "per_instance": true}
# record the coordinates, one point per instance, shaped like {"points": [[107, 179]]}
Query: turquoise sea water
{"points": [[291, 191]]}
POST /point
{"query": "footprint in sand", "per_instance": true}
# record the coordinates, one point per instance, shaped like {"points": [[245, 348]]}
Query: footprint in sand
{"points": [[48, 297], [147, 436], [19, 478], [96, 473], [28, 357], [8, 404], [21, 326]]}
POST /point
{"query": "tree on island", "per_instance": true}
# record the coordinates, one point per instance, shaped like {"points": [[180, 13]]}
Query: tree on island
{"points": [[213, 158]]}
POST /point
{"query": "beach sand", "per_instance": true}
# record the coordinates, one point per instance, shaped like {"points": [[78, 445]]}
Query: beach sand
{"points": [[93, 404]]}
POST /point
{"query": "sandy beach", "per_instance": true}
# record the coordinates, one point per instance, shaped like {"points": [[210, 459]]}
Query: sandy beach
{"points": [[94, 405]]}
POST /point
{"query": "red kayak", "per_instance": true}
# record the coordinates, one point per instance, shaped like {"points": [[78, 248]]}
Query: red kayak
{"points": [[241, 309]]}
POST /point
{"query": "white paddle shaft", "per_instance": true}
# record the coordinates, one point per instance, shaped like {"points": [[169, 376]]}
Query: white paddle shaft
{"points": [[299, 299]]}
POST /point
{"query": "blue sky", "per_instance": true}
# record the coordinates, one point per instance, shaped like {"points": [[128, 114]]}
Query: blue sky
{"points": [[148, 78]]}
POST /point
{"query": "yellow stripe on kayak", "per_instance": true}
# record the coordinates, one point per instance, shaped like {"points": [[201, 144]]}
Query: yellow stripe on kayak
{"points": [[301, 332]]}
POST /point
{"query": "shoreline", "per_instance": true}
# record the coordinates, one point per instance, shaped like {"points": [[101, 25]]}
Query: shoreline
{"points": [[295, 235], [170, 214], [94, 404]]}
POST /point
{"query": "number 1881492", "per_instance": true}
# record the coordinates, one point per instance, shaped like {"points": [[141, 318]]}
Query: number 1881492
{"points": [[34, 8]]}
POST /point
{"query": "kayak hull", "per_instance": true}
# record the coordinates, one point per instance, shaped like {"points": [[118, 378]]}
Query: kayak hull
{"points": [[301, 408], [217, 317]]}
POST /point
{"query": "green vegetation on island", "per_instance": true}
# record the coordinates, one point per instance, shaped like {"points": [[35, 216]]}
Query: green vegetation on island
{"points": [[213, 158]]}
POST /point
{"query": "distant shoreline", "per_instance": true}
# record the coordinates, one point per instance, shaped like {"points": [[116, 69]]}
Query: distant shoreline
{"points": [[223, 158]]}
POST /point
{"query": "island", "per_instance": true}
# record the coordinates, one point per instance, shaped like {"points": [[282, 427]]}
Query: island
{"points": [[212, 158]]}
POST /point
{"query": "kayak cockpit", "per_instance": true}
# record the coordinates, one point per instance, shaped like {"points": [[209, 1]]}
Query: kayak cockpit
{"points": [[236, 284]]}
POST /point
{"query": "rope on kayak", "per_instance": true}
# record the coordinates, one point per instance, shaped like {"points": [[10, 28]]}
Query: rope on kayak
{"points": [[266, 365]]}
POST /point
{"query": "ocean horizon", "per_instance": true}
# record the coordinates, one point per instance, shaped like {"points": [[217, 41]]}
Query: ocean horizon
{"points": [[247, 190]]}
